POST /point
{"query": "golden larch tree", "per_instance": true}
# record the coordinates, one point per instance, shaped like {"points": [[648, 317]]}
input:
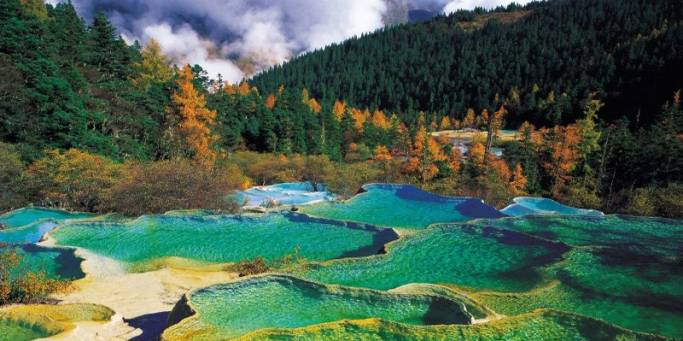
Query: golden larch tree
{"points": [[519, 181], [469, 120], [314, 105], [445, 123], [339, 109], [379, 120], [195, 120]]}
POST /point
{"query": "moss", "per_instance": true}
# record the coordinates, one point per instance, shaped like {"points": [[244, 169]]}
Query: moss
{"points": [[53, 319], [538, 325]]}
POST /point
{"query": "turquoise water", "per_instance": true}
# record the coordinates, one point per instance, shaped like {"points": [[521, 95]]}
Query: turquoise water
{"points": [[645, 235], [236, 309], [28, 225], [625, 270], [402, 206], [17, 331], [542, 206], [30, 233], [56, 263], [25, 216], [459, 254], [224, 238], [288, 193]]}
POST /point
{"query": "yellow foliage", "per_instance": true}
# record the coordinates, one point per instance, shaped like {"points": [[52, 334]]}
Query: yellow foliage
{"points": [[499, 167], [359, 118], [74, 179], [445, 123], [435, 150], [379, 120], [381, 154], [195, 119], [420, 138], [339, 109], [244, 88], [477, 153], [469, 120], [154, 66], [455, 160], [314, 105], [519, 181]]}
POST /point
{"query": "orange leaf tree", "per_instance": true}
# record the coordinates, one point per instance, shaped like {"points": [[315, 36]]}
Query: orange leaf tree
{"points": [[195, 120]]}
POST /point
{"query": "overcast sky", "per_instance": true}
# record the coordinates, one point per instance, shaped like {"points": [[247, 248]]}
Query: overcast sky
{"points": [[238, 37]]}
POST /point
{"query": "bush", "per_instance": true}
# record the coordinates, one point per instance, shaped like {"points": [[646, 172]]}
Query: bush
{"points": [[347, 179], [173, 185], [579, 195], [269, 168], [26, 287], [657, 201], [670, 201], [642, 202], [248, 267], [74, 180]]}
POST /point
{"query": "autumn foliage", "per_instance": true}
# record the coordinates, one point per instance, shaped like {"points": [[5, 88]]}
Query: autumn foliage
{"points": [[195, 120], [19, 286]]}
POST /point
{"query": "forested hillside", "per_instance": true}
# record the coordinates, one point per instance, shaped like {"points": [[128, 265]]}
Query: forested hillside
{"points": [[542, 66], [88, 122]]}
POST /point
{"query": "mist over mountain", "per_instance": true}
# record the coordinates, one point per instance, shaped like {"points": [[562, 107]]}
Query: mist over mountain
{"points": [[237, 38]]}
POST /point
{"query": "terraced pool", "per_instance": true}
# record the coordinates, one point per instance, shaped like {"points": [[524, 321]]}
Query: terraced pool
{"points": [[402, 206], [28, 225], [464, 255], [625, 270], [525, 206], [223, 238], [56, 263], [26, 216], [235, 309]]}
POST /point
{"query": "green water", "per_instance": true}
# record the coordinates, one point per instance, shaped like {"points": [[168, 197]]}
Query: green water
{"points": [[223, 238], [56, 263], [286, 302], [625, 270], [17, 331], [25, 216], [647, 297], [652, 235], [462, 255], [394, 206]]}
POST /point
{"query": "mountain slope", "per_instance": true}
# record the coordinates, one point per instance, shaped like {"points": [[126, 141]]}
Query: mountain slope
{"points": [[542, 60]]}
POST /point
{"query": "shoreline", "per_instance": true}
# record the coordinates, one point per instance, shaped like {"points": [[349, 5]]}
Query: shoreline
{"points": [[141, 301]]}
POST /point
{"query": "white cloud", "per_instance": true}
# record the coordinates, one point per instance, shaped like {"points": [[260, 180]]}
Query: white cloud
{"points": [[186, 47], [261, 33]]}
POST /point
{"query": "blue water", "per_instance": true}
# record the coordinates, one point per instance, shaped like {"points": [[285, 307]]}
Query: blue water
{"points": [[403, 206], [542, 206], [288, 193], [27, 234], [25, 216], [28, 225]]}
